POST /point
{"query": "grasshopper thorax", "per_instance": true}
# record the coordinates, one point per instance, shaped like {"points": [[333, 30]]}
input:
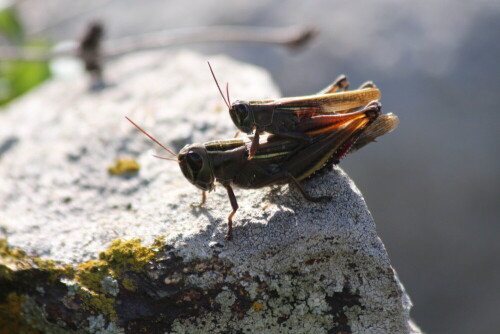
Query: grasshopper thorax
{"points": [[196, 167], [241, 115]]}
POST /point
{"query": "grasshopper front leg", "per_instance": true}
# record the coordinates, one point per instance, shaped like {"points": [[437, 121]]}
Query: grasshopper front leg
{"points": [[254, 146], [234, 205], [203, 200]]}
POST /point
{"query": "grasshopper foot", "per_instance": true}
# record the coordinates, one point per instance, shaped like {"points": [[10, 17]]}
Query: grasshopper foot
{"points": [[203, 200]]}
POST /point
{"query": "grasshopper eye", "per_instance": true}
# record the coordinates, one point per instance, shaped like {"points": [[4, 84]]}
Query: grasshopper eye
{"points": [[195, 161], [240, 111]]}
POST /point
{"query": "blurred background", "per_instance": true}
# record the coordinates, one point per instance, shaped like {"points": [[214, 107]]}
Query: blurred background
{"points": [[432, 185]]}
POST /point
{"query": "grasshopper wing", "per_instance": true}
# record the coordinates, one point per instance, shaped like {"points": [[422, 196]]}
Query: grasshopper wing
{"points": [[381, 126], [307, 106], [329, 146]]}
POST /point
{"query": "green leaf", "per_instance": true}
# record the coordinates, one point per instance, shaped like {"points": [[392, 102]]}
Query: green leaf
{"points": [[18, 77], [10, 26]]}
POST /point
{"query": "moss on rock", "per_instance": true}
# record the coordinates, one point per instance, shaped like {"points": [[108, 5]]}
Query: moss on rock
{"points": [[91, 287], [122, 256]]}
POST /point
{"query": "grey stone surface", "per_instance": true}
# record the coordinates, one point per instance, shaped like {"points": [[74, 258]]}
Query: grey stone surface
{"points": [[435, 181], [292, 266]]}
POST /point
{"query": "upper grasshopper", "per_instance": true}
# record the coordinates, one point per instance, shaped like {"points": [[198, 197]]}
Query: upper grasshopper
{"points": [[282, 116], [279, 159]]}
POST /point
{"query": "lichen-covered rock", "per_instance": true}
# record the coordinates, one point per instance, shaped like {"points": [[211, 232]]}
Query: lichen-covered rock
{"points": [[97, 246]]}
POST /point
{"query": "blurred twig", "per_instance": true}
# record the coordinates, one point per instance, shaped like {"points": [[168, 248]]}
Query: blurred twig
{"points": [[291, 37], [69, 17]]}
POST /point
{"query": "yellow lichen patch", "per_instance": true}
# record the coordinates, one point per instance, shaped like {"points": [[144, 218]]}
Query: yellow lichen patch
{"points": [[13, 259], [99, 303], [129, 284], [257, 306], [159, 242], [96, 297], [127, 255], [120, 257], [123, 166], [91, 273], [11, 320]]}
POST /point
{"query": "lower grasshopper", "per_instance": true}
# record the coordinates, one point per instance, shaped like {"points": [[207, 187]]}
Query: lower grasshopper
{"points": [[283, 115], [279, 160]]}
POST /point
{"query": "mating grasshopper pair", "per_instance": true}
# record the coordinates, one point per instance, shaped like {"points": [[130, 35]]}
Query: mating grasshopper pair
{"points": [[307, 134]]}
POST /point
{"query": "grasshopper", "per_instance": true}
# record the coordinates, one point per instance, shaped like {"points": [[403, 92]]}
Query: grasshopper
{"points": [[279, 160], [384, 124], [282, 116]]}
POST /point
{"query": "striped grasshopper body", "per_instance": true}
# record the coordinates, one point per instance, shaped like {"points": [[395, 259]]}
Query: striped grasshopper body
{"points": [[282, 116], [279, 160]]}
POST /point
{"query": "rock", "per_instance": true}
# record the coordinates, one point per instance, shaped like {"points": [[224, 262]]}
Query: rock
{"points": [[91, 251]]}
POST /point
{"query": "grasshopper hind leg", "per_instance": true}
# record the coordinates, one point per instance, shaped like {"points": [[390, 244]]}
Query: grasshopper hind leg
{"points": [[367, 84], [234, 205], [305, 194], [339, 83]]}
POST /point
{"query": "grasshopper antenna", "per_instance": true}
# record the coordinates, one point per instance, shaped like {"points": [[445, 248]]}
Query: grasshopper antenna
{"points": [[227, 91], [153, 139], [220, 90], [165, 158]]}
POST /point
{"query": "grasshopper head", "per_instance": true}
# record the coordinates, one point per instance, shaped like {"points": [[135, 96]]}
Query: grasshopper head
{"points": [[239, 110], [241, 115], [195, 165]]}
